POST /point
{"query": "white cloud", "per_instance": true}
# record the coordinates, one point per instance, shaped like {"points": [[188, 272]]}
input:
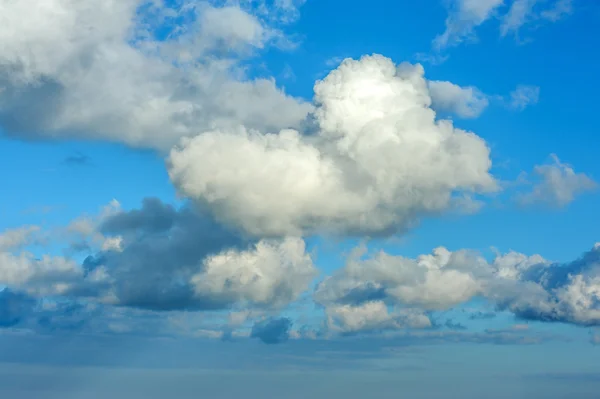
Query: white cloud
{"points": [[466, 102], [379, 161], [372, 316], [273, 273], [517, 16], [358, 296], [431, 282], [524, 96], [464, 16], [69, 69], [523, 12], [16, 238], [556, 184], [46, 276]]}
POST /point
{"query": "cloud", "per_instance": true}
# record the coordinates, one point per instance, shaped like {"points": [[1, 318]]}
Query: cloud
{"points": [[595, 338], [466, 102], [162, 258], [13, 239], [528, 286], [358, 174], [479, 315], [77, 159], [456, 326], [464, 16], [138, 72], [272, 331], [556, 184], [523, 12], [524, 96], [14, 307], [372, 316]]}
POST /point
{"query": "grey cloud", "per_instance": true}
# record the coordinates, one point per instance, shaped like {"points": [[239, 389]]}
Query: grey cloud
{"points": [[154, 217], [162, 258], [482, 315], [77, 159], [14, 308], [456, 326], [272, 331]]}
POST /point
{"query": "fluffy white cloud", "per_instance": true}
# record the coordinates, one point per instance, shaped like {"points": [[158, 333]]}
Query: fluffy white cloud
{"points": [[378, 161], [46, 276], [95, 70], [464, 16], [432, 282], [273, 273], [528, 286], [466, 102], [556, 184]]}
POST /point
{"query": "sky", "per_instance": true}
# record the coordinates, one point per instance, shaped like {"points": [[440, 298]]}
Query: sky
{"points": [[294, 198]]}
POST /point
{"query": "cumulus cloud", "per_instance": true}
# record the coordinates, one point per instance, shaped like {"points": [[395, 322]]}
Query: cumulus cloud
{"points": [[101, 69], [466, 102], [162, 258], [359, 295], [378, 162], [556, 184], [524, 96], [272, 331]]}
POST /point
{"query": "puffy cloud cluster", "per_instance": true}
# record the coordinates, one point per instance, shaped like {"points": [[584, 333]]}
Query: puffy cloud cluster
{"points": [[109, 70], [378, 161], [359, 296], [168, 259], [372, 158]]}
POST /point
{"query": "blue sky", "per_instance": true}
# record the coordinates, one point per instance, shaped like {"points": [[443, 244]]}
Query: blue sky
{"points": [[331, 191]]}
